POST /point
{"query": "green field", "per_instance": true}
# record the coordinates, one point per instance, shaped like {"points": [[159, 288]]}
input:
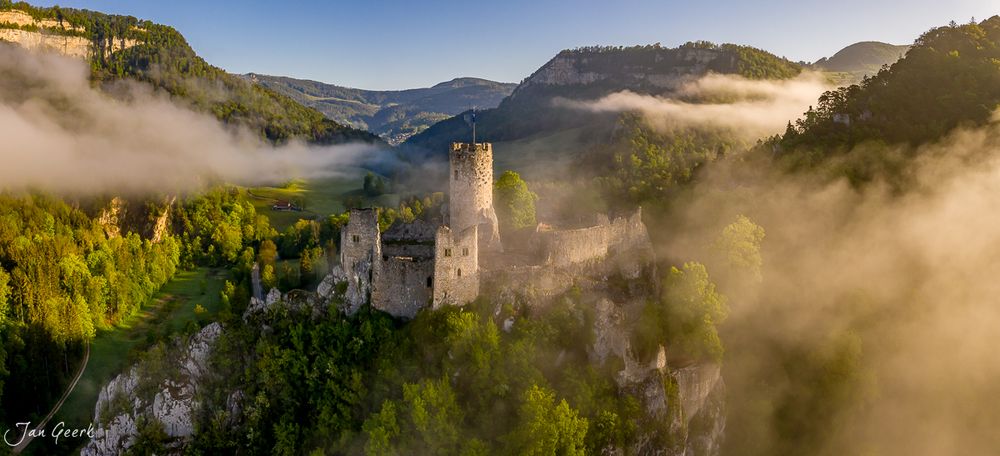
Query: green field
{"points": [[319, 197], [170, 311]]}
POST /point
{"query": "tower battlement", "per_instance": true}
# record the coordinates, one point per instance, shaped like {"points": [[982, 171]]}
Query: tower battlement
{"points": [[468, 148]]}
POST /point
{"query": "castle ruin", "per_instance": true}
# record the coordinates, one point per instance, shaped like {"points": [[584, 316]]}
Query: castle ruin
{"points": [[419, 264]]}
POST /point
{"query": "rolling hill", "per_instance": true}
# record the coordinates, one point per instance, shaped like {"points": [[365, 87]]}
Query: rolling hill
{"points": [[394, 115], [861, 59]]}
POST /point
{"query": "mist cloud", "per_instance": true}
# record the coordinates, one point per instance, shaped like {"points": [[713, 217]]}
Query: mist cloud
{"points": [[752, 108], [913, 276], [58, 133]]}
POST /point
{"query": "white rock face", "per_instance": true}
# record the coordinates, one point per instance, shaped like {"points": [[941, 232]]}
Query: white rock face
{"points": [[691, 411], [609, 337], [258, 306], [173, 405], [328, 286], [563, 71], [255, 306], [50, 37], [71, 46], [695, 383], [273, 296]]}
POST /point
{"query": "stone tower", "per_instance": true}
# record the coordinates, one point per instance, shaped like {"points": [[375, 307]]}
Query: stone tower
{"points": [[471, 187], [360, 246]]}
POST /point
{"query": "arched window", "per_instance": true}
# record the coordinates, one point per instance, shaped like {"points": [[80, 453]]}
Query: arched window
{"points": [[460, 272]]}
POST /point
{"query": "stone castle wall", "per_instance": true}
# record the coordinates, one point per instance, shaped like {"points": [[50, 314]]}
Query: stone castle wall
{"points": [[471, 186], [456, 266], [360, 245], [401, 286], [567, 247]]}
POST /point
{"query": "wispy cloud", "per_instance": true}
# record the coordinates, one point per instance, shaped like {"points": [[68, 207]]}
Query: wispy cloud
{"points": [[58, 133], [753, 108]]}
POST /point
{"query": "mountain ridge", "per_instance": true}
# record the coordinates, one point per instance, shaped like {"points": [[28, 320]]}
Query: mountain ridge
{"points": [[394, 115], [592, 72]]}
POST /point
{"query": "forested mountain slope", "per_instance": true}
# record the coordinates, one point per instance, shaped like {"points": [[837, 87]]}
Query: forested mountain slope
{"points": [[123, 47], [590, 73]]}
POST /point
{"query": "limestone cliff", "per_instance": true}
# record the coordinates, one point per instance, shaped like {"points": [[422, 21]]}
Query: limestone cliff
{"points": [[684, 406], [49, 35], [122, 408]]}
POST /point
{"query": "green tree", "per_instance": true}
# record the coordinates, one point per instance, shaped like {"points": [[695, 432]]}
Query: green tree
{"points": [[739, 244], [514, 202], [381, 428], [547, 428], [4, 297], [694, 309]]}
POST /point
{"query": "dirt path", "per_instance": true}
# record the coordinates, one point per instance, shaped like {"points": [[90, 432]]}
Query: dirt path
{"points": [[83, 366]]}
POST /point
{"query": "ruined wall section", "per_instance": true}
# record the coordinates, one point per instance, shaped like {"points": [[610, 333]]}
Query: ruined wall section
{"points": [[456, 266], [401, 286], [563, 248], [360, 245], [471, 187]]}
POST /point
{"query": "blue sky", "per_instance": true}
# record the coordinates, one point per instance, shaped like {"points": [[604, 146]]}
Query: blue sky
{"points": [[398, 44]]}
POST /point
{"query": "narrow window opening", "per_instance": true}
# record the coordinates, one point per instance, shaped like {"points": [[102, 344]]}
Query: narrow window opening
{"points": [[460, 272], [447, 252], [430, 282], [356, 238], [465, 251]]}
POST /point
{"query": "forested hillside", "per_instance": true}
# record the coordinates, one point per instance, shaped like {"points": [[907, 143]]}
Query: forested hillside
{"points": [[864, 58], [65, 274], [63, 278], [949, 78], [590, 73], [125, 47]]}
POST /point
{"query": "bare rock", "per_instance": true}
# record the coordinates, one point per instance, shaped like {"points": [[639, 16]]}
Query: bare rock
{"points": [[173, 404]]}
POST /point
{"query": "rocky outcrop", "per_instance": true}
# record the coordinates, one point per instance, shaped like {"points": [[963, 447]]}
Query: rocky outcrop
{"points": [[562, 70], [259, 306], [50, 35], [684, 406], [162, 223], [121, 407], [664, 68], [71, 46], [111, 217]]}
